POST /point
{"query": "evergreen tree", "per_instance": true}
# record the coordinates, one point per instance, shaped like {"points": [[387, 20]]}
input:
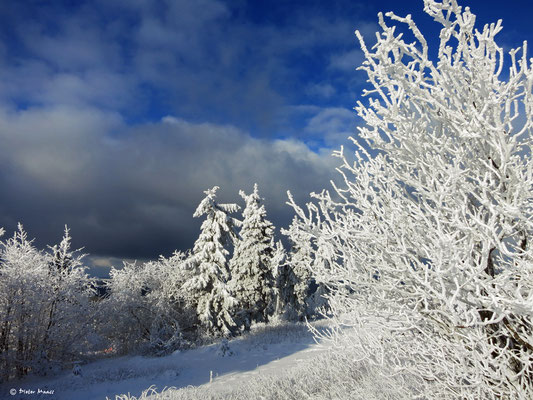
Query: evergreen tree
{"points": [[318, 303], [208, 289], [300, 261], [297, 273], [63, 259], [284, 281], [251, 268]]}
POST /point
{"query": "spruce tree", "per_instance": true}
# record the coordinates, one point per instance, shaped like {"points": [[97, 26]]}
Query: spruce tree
{"points": [[215, 305], [252, 275], [284, 281], [297, 273]]}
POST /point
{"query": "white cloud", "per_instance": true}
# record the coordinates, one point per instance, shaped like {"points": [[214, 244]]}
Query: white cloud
{"points": [[332, 125], [324, 90], [347, 61], [190, 58]]}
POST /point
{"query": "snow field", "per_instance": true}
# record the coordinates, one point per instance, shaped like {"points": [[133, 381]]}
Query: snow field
{"points": [[303, 370], [269, 350], [320, 376]]}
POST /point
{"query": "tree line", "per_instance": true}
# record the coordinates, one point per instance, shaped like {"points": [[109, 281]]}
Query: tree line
{"points": [[236, 274]]}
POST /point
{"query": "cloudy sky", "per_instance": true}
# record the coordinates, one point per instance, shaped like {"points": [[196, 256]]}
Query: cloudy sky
{"points": [[116, 115]]}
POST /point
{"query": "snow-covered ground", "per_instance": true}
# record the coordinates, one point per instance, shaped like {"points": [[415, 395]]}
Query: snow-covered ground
{"points": [[269, 350]]}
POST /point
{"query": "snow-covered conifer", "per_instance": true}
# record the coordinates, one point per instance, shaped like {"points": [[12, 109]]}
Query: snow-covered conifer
{"points": [[298, 277], [207, 287], [279, 257], [284, 282], [252, 280]]}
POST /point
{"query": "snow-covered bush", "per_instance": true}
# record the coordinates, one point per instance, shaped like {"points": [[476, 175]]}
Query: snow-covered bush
{"points": [[44, 306], [252, 280], [215, 305], [147, 309], [434, 222]]}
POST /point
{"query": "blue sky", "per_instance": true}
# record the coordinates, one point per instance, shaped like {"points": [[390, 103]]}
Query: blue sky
{"points": [[115, 115]]}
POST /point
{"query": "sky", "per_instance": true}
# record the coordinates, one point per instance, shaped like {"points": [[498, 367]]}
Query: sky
{"points": [[116, 115]]}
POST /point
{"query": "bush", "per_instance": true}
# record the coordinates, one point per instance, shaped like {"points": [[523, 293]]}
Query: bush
{"points": [[146, 310]]}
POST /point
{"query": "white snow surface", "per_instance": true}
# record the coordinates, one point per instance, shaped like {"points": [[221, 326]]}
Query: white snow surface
{"points": [[269, 350]]}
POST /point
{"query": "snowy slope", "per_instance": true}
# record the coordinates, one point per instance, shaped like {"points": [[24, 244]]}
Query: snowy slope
{"points": [[267, 350]]}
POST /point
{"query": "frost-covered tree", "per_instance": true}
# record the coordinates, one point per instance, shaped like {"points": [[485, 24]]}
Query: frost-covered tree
{"points": [[278, 262], [215, 304], [317, 304], [127, 312], [295, 279], [285, 280], [44, 306], [252, 281], [22, 269], [433, 227], [68, 299], [148, 309]]}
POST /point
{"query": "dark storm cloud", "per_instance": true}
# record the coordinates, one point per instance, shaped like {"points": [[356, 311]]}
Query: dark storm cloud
{"points": [[85, 89], [133, 194]]}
